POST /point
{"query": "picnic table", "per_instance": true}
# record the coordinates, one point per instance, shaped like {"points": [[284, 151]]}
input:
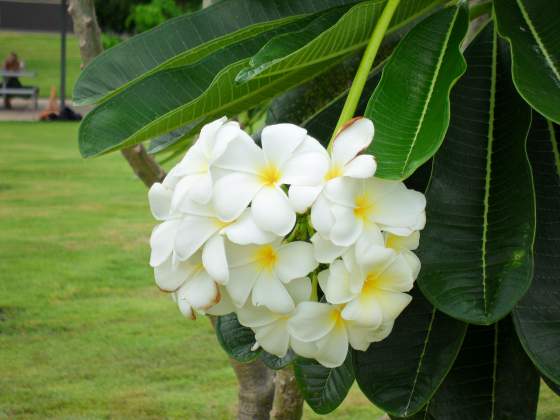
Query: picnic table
{"points": [[24, 91]]}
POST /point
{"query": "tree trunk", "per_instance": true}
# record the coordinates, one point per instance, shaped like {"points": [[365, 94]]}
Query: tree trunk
{"points": [[256, 385], [87, 30]]}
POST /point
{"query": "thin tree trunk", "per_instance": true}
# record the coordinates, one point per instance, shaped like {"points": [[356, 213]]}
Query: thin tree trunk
{"points": [[288, 402], [87, 30]]}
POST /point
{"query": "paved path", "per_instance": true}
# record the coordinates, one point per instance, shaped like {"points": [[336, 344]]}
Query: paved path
{"points": [[22, 110]]}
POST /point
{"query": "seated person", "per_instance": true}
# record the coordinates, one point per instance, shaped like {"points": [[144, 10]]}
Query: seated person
{"points": [[12, 63]]}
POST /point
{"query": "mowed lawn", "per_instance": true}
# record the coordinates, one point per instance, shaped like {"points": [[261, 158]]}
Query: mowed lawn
{"points": [[84, 332], [41, 54]]}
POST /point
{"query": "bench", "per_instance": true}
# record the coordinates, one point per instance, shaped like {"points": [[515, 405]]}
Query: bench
{"points": [[22, 92]]}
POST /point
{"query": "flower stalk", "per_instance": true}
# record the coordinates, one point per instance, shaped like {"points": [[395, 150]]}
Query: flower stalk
{"points": [[368, 58]]}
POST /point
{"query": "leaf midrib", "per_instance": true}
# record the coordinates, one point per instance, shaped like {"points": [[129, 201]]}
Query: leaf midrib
{"points": [[538, 39], [430, 91], [489, 165], [554, 144]]}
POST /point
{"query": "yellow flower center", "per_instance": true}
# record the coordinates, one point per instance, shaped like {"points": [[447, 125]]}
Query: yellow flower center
{"points": [[363, 207], [270, 175], [267, 257], [334, 172], [371, 284], [336, 316]]}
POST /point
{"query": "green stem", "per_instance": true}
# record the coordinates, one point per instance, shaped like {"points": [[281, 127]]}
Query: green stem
{"points": [[480, 9], [368, 58], [314, 281]]}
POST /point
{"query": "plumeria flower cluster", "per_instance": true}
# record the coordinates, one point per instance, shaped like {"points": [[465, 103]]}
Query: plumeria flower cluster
{"points": [[306, 246]]}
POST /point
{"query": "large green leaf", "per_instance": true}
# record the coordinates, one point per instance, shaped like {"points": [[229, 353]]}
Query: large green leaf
{"points": [[411, 118], [401, 373], [537, 316], [533, 30], [492, 379], [275, 362], [189, 38], [476, 249], [322, 388], [236, 339], [311, 45], [173, 98]]}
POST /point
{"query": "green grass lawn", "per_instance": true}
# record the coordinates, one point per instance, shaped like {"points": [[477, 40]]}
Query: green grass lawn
{"points": [[84, 332], [41, 54]]}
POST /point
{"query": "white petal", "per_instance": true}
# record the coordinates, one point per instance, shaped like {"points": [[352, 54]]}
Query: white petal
{"points": [[185, 307], [214, 259], [362, 166], [270, 292], [333, 348], [299, 289], [322, 217], [371, 238], [201, 291], [162, 241], [227, 133], [241, 281], [242, 155], [352, 139], [201, 189], [240, 255], [295, 259], [255, 316], [233, 193], [302, 348], [358, 336], [224, 306], [191, 235], [311, 321], [365, 310], [245, 231], [343, 191], [194, 162], [303, 197], [336, 282], [306, 169], [392, 304], [324, 250], [206, 140], [273, 212], [400, 243], [280, 140], [396, 276], [160, 201], [347, 227], [170, 276], [413, 262], [274, 338], [380, 333], [374, 258]]}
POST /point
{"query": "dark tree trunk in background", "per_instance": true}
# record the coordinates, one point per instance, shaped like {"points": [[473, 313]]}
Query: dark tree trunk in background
{"points": [[87, 30]]}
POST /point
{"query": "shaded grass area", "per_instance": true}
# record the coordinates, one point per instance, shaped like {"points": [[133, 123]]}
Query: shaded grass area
{"points": [[84, 332], [41, 54]]}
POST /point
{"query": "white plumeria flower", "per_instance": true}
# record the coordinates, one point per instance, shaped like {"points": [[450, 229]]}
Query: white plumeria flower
{"points": [[348, 207], [322, 325], [194, 289], [404, 245], [262, 271], [254, 175], [195, 178], [197, 226], [271, 328], [372, 286], [345, 161]]}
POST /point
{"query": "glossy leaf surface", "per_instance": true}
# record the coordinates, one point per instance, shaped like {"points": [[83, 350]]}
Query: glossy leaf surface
{"points": [[401, 373], [492, 379], [532, 28], [476, 249], [275, 362], [322, 388], [537, 316], [410, 106], [236, 339], [187, 39], [340, 37]]}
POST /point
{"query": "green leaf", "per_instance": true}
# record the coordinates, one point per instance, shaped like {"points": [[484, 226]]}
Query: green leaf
{"points": [[537, 316], [476, 249], [173, 98], [401, 373], [275, 362], [492, 379], [311, 45], [533, 30], [411, 118], [322, 388], [187, 39], [236, 339]]}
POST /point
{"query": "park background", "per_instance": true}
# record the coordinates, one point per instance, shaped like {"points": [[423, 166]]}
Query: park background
{"points": [[84, 332]]}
